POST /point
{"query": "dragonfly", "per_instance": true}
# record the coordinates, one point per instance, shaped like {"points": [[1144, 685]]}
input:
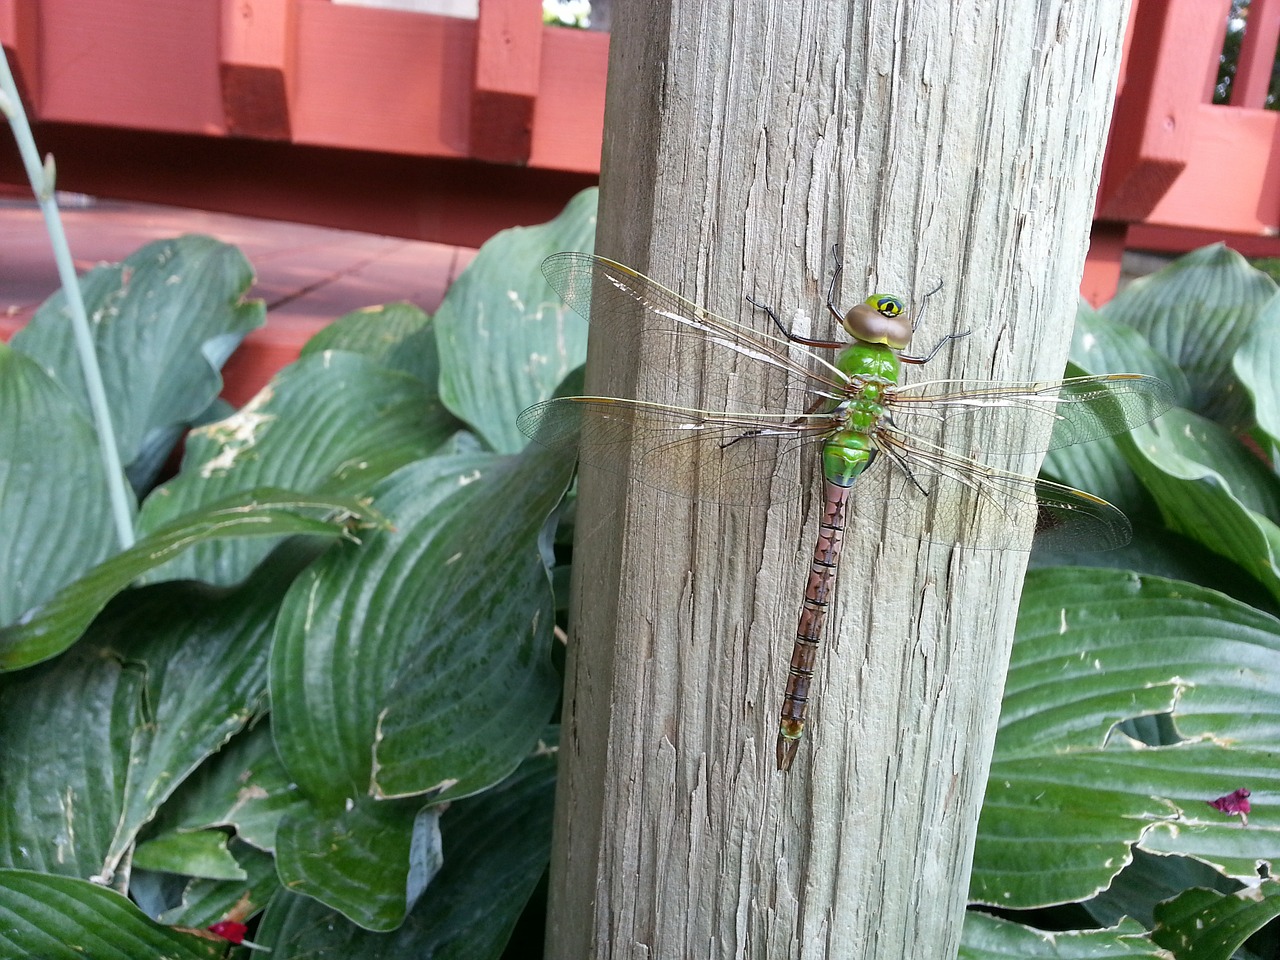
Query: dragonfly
{"points": [[839, 407]]}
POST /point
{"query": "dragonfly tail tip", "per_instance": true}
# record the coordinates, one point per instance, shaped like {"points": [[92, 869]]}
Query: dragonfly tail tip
{"points": [[786, 752]]}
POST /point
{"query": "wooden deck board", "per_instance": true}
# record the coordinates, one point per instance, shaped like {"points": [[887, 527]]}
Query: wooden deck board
{"points": [[308, 275]]}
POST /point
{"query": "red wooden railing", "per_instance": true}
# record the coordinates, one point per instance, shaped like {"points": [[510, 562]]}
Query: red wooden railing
{"points": [[1181, 171], [407, 124], [446, 129]]}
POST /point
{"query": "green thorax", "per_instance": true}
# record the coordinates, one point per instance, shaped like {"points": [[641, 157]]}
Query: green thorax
{"points": [[872, 367], [861, 359]]}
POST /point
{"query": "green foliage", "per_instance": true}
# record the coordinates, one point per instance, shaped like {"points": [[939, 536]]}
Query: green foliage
{"points": [[163, 322], [530, 339], [1140, 691], [317, 691], [320, 682]]}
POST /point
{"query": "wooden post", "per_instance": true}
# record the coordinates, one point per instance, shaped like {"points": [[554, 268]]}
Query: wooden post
{"points": [[933, 142]]}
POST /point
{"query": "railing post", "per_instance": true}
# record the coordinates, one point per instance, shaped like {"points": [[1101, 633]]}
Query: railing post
{"points": [[508, 62]]}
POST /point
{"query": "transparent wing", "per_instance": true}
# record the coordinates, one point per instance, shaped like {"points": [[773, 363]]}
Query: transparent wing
{"points": [[1069, 411], [1058, 412], [938, 438], [607, 294], [727, 457], [920, 489], [961, 500]]}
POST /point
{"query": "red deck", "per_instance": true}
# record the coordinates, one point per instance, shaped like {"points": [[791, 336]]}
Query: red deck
{"points": [[406, 124], [308, 276]]}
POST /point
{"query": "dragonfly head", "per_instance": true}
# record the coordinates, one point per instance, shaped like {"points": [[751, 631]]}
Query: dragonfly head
{"points": [[881, 318]]}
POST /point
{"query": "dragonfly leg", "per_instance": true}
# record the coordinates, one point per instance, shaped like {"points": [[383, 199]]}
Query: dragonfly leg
{"points": [[924, 303], [792, 337], [831, 290], [936, 347], [744, 435], [901, 464]]}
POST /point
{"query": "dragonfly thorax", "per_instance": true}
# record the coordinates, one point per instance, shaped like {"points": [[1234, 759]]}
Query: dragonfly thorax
{"points": [[881, 318], [862, 415], [866, 363]]}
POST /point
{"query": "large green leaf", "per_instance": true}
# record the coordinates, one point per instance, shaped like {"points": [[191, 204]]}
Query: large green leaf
{"points": [[1197, 311], [97, 739], [989, 938], [50, 628], [506, 340], [163, 321], [1256, 364], [55, 514], [244, 787], [1101, 345], [1148, 881], [496, 846], [1069, 791], [418, 666], [370, 859], [1207, 925], [332, 423], [397, 336], [61, 918], [200, 853], [205, 902], [1211, 489], [1103, 342]]}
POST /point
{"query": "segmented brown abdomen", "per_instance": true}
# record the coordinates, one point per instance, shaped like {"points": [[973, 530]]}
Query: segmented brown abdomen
{"points": [[813, 619]]}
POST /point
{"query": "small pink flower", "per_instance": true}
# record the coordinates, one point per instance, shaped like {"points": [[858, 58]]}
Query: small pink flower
{"points": [[1237, 801], [230, 930]]}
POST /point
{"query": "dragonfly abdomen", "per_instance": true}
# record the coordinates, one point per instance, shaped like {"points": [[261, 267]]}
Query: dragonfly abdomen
{"points": [[813, 619]]}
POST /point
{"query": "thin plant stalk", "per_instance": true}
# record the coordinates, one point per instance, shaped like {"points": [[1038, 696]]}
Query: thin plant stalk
{"points": [[42, 183]]}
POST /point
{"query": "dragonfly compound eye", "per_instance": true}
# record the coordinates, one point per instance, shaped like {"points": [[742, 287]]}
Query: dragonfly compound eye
{"points": [[881, 319], [887, 304]]}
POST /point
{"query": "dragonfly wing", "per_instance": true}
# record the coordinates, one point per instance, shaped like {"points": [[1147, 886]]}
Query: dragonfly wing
{"points": [[1033, 416], [1071, 519], [964, 501], [608, 294], [723, 457]]}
